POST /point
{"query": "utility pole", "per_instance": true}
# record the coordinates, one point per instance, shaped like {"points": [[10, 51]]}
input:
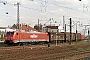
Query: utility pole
{"points": [[88, 34], [85, 29], [38, 25], [56, 39], [18, 18], [65, 34], [70, 31], [63, 23], [76, 33]]}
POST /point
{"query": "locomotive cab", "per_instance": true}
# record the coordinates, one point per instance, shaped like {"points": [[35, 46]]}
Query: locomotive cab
{"points": [[9, 37]]}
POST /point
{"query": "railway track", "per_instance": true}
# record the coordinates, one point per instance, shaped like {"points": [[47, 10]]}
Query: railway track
{"points": [[42, 52], [53, 53], [65, 56]]}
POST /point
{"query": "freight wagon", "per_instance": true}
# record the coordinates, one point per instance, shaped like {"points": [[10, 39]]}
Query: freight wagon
{"points": [[65, 36]]}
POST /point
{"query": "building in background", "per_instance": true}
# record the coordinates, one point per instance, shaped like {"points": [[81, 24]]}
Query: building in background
{"points": [[52, 28], [24, 27]]}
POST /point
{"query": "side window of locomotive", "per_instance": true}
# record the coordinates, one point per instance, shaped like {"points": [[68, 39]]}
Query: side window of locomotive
{"points": [[16, 33]]}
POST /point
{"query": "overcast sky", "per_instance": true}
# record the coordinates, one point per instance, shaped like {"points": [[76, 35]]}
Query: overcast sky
{"points": [[31, 11]]}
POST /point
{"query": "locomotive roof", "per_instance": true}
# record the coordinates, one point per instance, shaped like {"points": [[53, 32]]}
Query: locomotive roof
{"points": [[32, 32]]}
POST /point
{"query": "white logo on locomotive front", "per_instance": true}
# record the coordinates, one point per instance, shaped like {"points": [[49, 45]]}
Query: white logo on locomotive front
{"points": [[33, 36]]}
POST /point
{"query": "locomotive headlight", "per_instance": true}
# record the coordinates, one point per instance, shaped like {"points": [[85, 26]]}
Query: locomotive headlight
{"points": [[5, 38], [11, 38]]}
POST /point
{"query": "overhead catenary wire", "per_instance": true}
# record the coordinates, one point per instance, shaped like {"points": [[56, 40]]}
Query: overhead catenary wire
{"points": [[62, 6], [66, 8], [49, 3], [51, 12]]}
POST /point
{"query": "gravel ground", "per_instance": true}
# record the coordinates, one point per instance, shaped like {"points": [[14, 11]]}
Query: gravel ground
{"points": [[63, 51]]}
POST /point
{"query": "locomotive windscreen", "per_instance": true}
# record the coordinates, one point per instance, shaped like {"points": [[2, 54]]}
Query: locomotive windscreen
{"points": [[9, 33]]}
